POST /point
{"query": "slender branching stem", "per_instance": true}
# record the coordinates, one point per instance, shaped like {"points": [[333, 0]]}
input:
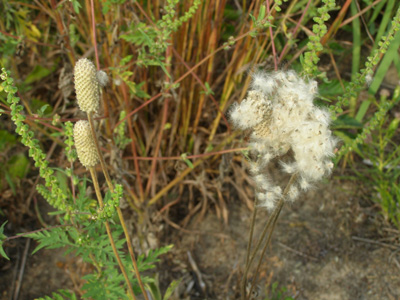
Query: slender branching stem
{"points": [[102, 162], [253, 221], [132, 255], [279, 209], [267, 226], [120, 216], [252, 257], [271, 34], [100, 199]]}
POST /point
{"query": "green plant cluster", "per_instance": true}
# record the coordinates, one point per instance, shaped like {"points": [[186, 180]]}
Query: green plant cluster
{"points": [[120, 138], [79, 232], [167, 22], [314, 46], [261, 22], [110, 204], [381, 158], [52, 192], [360, 79], [373, 123], [70, 151], [384, 180], [154, 39]]}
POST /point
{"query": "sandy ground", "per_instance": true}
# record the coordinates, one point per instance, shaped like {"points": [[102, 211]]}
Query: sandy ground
{"points": [[330, 244], [323, 248]]}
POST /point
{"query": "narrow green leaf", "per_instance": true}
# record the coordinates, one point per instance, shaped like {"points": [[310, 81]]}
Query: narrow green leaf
{"points": [[261, 14], [392, 129], [356, 42], [362, 110], [2, 238], [154, 290], [385, 64], [171, 288], [2, 252], [187, 161], [386, 17], [76, 5], [10, 182], [37, 74], [125, 60]]}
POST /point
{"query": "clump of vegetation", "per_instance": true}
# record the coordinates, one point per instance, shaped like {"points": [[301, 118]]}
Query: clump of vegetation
{"points": [[153, 113]]}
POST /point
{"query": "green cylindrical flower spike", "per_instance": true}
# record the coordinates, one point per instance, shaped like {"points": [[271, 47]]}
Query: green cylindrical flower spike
{"points": [[84, 143], [86, 85]]}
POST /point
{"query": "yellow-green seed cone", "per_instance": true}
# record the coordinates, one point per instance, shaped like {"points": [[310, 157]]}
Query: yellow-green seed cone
{"points": [[86, 85], [85, 145]]}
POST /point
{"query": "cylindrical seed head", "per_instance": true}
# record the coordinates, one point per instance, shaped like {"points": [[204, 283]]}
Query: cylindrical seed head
{"points": [[86, 85], [85, 145]]}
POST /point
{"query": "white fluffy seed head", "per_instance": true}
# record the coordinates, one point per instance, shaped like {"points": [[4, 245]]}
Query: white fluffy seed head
{"points": [[102, 77], [293, 193], [86, 85], [268, 200], [282, 117], [304, 184], [250, 111], [264, 83], [85, 145], [288, 168]]}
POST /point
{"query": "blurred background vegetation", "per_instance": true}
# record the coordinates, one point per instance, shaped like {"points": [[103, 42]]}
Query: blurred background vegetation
{"points": [[175, 67]]}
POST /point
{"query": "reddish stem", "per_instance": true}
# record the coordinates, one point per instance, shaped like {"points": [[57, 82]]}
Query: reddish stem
{"points": [[190, 70], [271, 33], [295, 30], [132, 136], [94, 35], [163, 121], [204, 87]]}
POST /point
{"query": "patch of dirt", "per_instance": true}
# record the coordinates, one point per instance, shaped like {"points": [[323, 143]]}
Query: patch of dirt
{"points": [[45, 272], [327, 245], [323, 247], [28, 275]]}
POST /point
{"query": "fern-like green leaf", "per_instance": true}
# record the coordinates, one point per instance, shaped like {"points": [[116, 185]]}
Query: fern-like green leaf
{"points": [[50, 239], [60, 295], [146, 263]]}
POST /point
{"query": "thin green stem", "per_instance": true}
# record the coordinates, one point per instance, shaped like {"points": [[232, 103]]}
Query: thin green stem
{"points": [[132, 255], [121, 217], [100, 199], [102, 162]]}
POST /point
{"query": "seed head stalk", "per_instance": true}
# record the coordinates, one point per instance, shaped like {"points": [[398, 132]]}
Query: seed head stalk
{"points": [[284, 125], [271, 222], [87, 85], [101, 204], [120, 216], [89, 158]]}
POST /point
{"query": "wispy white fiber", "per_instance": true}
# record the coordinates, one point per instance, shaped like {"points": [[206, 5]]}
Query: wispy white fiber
{"points": [[280, 113]]}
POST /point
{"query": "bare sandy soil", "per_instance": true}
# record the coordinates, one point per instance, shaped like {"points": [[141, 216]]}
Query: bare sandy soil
{"points": [[325, 246], [330, 244]]}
